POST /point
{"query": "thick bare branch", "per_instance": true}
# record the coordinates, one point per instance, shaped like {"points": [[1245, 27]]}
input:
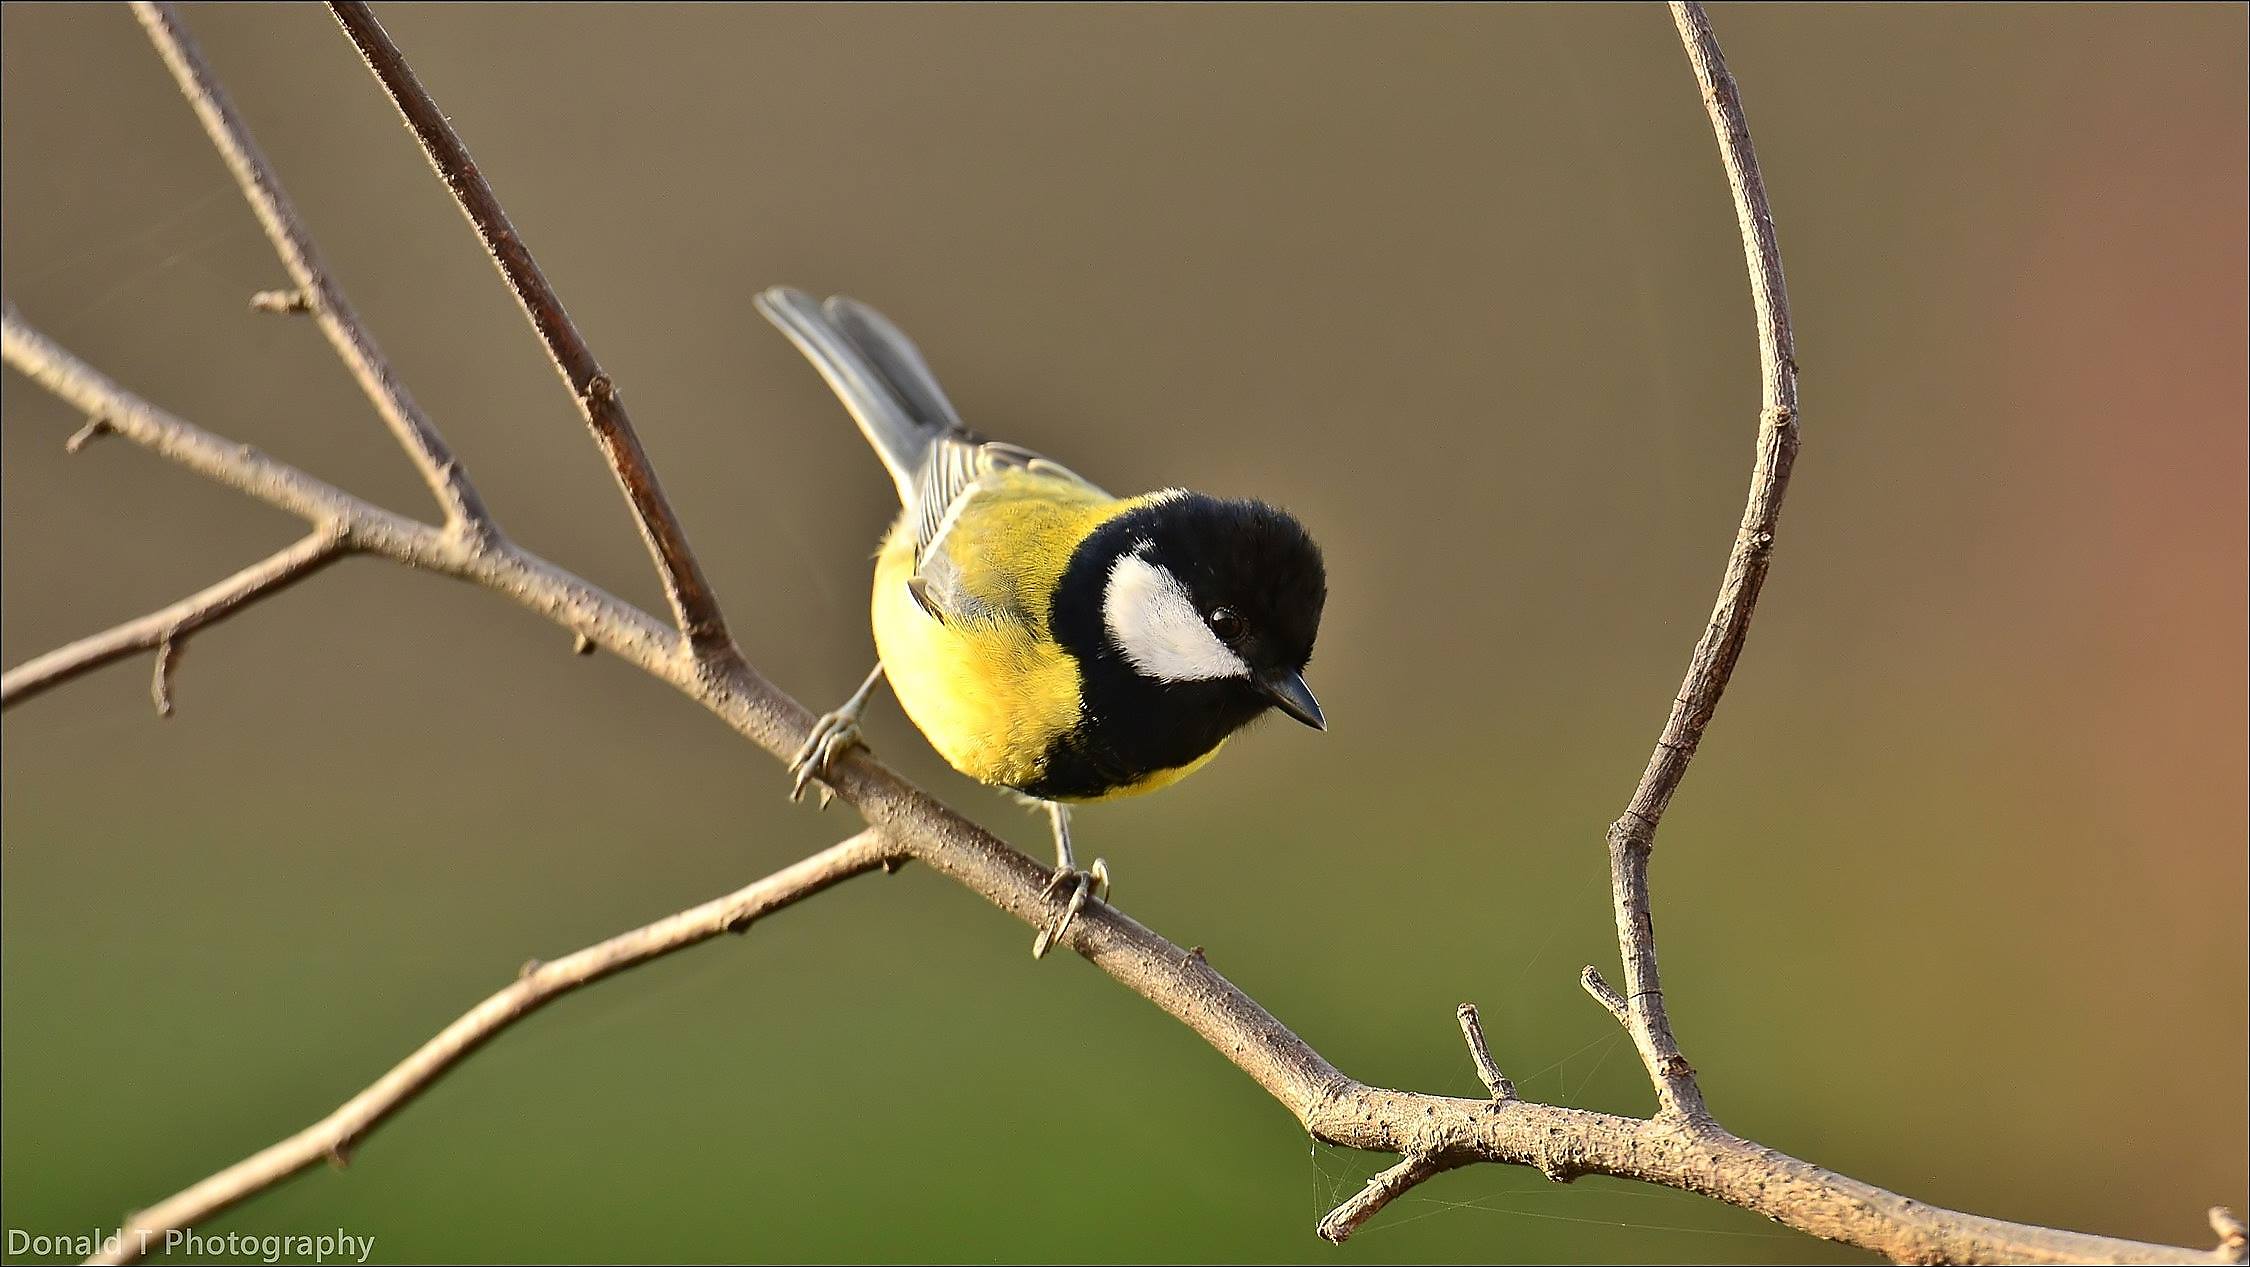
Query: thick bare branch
{"points": [[333, 1137], [694, 607], [316, 291], [166, 631]]}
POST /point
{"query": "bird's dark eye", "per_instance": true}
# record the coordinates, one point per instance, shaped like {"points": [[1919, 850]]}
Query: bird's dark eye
{"points": [[1226, 624]]}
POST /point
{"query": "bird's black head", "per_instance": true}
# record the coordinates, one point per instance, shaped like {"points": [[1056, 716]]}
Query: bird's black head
{"points": [[1202, 609]]}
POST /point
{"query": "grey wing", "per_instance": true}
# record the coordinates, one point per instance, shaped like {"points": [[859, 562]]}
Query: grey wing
{"points": [[955, 472]]}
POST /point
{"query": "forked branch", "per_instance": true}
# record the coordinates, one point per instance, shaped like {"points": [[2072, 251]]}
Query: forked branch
{"points": [[166, 631], [695, 609], [1680, 1147], [316, 290]]}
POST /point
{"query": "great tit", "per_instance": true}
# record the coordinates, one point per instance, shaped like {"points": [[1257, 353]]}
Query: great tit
{"points": [[1045, 636]]}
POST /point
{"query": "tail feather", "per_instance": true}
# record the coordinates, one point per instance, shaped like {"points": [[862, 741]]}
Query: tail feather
{"points": [[876, 371], [899, 360]]}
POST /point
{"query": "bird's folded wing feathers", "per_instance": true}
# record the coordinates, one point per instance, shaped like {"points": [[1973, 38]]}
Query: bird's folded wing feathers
{"points": [[988, 521], [958, 468]]}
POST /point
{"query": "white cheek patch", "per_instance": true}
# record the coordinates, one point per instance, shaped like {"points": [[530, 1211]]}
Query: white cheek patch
{"points": [[1155, 626]]}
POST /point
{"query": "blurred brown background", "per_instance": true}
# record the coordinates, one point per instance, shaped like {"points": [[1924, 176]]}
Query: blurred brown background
{"points": [[1953, 900]]}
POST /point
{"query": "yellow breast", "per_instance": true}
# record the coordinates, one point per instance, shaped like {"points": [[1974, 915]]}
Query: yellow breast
{"points": [[991, 696]]}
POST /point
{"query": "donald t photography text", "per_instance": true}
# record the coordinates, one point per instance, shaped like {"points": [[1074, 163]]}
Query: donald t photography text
{"points": [[339, 1246]]}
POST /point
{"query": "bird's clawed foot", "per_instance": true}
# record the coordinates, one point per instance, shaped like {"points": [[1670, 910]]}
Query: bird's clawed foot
{"points": [[833, 735], [1091, 884]]}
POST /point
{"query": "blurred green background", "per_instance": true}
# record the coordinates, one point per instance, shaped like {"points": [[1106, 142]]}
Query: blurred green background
{"points": [[1953, 900]]}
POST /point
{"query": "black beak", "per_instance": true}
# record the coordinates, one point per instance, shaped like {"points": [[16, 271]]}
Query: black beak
{"points": [[1289, 693]]}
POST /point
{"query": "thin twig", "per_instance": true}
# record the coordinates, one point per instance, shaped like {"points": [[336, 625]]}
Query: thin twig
{"points": [[1384, 1187], [2233, 1236], [94, 429], [160, 676], [333, 1137], [316, 290], [166, 631], [1633, 836], [1480, 1054], [694, 607], [1606, 994], [281, 302]]}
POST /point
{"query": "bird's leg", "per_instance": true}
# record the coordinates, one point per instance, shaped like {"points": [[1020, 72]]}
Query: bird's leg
{"points": [[831, 735], [1083, 885]]}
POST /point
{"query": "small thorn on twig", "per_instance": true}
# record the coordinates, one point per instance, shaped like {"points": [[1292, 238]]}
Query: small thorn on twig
{"points": [[340, 1154], [96, 427], [2234, 1238], [160, 682], [1480, 1053], [281, 301], [581, 645], [529, 966], [1607, 996]]}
